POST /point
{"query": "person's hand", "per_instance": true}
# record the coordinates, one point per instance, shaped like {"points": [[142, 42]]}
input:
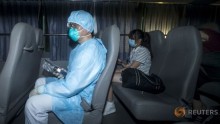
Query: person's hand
{"points": [[120, 70], [119, 62], [123, 69], [124, 65], [58, 74]]}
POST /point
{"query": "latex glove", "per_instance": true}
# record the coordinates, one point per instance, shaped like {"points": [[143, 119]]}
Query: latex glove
{"points": [[58, 73], [33, 93]]}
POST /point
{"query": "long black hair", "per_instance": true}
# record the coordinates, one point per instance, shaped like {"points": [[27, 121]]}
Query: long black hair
{"points": [[144, 36]]}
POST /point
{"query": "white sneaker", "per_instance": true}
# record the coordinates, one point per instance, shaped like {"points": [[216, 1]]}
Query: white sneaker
{"points": [[109, 108]]}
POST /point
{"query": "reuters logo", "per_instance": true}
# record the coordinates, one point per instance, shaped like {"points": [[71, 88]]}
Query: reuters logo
{"points": [[180, 112]]}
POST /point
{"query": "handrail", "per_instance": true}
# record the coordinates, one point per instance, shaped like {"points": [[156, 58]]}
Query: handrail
{"points": [[3, 34]]}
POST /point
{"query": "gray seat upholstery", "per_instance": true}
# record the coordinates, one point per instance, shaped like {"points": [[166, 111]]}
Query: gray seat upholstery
{"points": [[2, 63], [38, 52], [93, 114], [210, 97], [211, 88], [210, 94], [179, 73], [39, 39], [16, 77], [111, 40], [159, 52]]}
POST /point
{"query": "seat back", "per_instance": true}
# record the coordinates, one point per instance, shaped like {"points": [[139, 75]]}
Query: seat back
{"points": [[159, 51], [16, 77], [39, 40], [111, 40], [182, 61], [39, 51]]}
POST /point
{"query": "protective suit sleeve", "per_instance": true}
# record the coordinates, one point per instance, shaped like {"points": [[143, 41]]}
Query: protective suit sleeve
{"points": [[84, 69]]}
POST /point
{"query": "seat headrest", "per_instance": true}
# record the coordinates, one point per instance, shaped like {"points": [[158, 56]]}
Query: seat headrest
{"points": [[39, 38], [157, 41], [20, 38]]}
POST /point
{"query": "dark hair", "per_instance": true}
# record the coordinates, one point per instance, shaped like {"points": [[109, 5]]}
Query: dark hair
{"points": [[144, 36]]}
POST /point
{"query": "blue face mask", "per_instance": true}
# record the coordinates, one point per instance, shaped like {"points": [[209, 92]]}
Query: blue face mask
{"points": [[131, 42], [74, 34]]}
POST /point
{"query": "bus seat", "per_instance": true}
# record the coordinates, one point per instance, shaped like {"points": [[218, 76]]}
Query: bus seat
{"points": [[39, 40], [2, 63], [93, 114], [99, 34], [179, 73], [16, 77], [39, 51], [111, 39], [210, 94], [157, 41]]}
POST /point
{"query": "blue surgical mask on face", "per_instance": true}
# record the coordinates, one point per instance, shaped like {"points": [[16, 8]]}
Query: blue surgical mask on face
{"points": [[131, 42], [74, 34]]}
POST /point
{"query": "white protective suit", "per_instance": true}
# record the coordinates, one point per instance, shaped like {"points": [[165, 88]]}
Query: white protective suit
{"points": [[86, 63]]}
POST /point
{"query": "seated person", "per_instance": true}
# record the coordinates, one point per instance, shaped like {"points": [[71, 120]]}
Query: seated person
{"points": [[63, 96], [140, 58]]}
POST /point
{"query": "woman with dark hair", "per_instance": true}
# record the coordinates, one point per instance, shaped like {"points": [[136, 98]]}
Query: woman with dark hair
{"points": [[140, 58]]}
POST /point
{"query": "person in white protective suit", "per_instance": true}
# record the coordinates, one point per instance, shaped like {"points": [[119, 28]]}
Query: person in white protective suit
{"points": [[63, 96]]}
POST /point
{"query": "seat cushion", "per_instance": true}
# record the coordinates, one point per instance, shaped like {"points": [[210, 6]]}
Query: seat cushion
{"points": [[142, 105], [211, 88]]}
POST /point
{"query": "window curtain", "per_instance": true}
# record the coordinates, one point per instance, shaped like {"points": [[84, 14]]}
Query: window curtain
{"points": [[51, 16], [124, 15], [160, 17], [105, 13], [165, 17], [199, 15], [12, 12]]}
